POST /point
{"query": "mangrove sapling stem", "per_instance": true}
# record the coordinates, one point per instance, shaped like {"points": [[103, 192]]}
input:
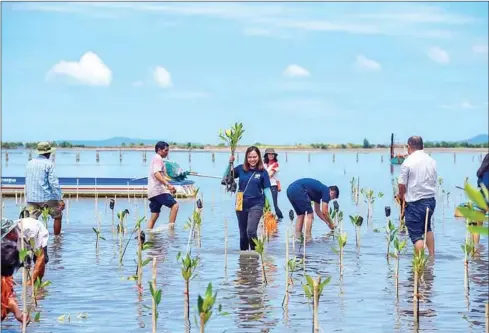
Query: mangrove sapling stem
{"points": [[154, 315], [286, 299], [225, 244], [487, 317], [140, 258]]}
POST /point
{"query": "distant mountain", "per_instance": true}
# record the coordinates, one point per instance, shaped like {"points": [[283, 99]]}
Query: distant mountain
{"points": [[481, 138]]}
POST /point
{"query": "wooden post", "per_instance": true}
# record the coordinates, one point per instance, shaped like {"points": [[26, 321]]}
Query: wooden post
{"points": [[357, 157], [309, 157], [6, 156], [213, 158], [97, 157], [286, 157], [334, 157], [30, 155], [382, 159]]}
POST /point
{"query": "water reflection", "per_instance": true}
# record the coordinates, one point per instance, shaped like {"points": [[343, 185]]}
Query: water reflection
{"points": [[250, 291]]}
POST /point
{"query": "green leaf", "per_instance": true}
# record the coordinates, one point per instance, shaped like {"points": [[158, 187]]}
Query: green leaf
{"points": [[145, 262], [45, 284], [200, 303], [309, 280], [151, 290], [325, 282], [479, 230], [158, 297], [102, 237], [476, 196], [147, 246], [306, 291], [392, 255], [472, 214], [37, 317]]}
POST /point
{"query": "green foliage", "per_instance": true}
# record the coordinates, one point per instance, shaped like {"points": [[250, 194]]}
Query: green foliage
{"points": [[366, 143], [232, 136], [468, 248], [400, 247], [471, 213], [189, 265], [419, 262], [205, 305], [309, 286], [356, 220]]}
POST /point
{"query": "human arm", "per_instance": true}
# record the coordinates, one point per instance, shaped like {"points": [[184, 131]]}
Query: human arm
{"points": [[484, 166], [323, 213], [159, 172], [272, 169], [228, 168], [402, 181], [268, 196], [54, 183]]}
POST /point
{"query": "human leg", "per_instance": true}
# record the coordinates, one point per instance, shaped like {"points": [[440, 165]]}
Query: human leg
{"points": [[169, 201], [55, 211], [243, 226], [415, 216], [254, 215], [274, 190], [155, 209]]}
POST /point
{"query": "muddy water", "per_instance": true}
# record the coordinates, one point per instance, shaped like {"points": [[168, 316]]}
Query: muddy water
{"points": [[86, 280]]}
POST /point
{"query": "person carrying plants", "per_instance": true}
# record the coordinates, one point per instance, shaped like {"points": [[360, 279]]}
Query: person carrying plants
{"points": [[272, 166], [34, 230], [253, 188], [300, 194], [42, 187], [159, 188], [417, 187], [10, 264]]}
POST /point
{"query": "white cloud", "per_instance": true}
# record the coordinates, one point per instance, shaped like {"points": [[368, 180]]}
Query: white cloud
{"points": [[90, 70], [438, 55], [137, 83], [162, 77], [366, 64], [466, 105], [296, 71], [480, 48]]}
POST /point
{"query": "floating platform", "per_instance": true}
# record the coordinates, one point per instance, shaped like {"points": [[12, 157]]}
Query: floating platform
{"points": [[91, 187], [398, 159]]}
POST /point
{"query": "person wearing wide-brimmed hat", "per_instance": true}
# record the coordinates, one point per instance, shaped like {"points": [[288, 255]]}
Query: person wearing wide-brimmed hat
{"points": [[10, 264], [272, 166], [42, 186]]}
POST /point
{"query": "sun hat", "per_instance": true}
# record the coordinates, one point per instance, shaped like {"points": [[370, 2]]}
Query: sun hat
{"points": [[44, 148], [270, 151], [8, 226]]}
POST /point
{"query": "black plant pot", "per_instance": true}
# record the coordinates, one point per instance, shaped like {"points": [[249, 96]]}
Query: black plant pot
{"points": [[387, 211], [199, 204], [291, 214], [111, 204]]}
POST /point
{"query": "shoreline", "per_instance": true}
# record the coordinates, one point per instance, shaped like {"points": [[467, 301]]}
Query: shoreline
{"points": [[278, 149]]}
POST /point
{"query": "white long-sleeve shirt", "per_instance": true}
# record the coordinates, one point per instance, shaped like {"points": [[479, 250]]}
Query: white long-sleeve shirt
{"points": [[35, 229]]}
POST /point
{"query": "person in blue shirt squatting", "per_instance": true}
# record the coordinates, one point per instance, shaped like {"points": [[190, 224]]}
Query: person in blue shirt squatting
{"points": [[301, 192], [254, 187]]}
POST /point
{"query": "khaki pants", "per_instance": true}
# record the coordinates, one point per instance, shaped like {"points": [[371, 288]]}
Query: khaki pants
{"points": [[54, 210]]}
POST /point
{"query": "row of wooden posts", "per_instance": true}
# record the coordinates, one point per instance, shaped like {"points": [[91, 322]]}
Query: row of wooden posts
{"points": [[144, 156]]}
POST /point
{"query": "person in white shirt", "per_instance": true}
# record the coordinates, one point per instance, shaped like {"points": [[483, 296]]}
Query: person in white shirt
{"points": [[417, 186], [159, 189]]}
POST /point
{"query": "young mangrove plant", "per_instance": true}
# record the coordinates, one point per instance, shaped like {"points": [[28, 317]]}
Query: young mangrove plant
{"points": [[419, 265], [369, 200], [195, 225], [269, 221], [260, 249], [357, 222], [231, 137], [121, 216], [205, 306], [476, 215], [189, 265], [291, 218], [111, 206], [313, 290], [23, 255], [469, 251], [45, 216], [391, 232], [400, 249], [155, 295]]}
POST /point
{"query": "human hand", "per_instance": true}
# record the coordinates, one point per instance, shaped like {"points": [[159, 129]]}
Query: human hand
{"points": [[61, 205], [172, 188], [231, 159]]}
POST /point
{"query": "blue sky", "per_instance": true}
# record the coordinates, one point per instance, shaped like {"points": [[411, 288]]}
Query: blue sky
{"points": [[291, 72]]}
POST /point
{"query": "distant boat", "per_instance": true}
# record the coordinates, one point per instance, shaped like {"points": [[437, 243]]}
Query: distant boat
{"points": [[92, 186], [396, 158]]}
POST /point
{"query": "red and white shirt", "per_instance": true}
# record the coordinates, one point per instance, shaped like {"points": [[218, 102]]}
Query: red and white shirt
{"points": [[273, 167], [154, 186]]}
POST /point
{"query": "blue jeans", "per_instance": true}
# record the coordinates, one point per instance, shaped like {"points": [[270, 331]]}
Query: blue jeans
{"points": [[415, 216]]}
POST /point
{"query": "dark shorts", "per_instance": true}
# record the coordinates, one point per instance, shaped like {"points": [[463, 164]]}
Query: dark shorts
{"points": [[299, 199], [415, 217], [165, 199]]}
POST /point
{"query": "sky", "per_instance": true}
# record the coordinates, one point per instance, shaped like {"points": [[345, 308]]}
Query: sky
{"points": [[290, 72]]}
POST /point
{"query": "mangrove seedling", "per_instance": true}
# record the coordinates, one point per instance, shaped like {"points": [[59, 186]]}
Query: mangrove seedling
{"points": [[419, 264], [155, 295], [121, 215], [391, 232], [313, 290], [369, 200], [97, 233], [469, 251], [205, 306], [231, 137], [269, 221], [111, 206], [260, 249], [400, 247], [357, 221], [189, 265], [291, 217], [476, 215], [45, 216], [292, 265], [342, 238], [195, 225]]}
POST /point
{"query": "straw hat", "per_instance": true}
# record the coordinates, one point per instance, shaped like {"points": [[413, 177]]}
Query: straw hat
{"points": [[270, 151], [44, 148]]}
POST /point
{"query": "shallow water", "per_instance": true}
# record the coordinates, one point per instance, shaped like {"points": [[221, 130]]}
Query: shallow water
{"points": [[87, 281]]}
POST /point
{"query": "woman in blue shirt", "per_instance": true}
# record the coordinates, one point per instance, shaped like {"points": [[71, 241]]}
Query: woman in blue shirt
{"points": [[254, 187], [483, 172]]}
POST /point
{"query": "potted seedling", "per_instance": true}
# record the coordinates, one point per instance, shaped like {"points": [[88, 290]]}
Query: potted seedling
{"points": [[45, 216], [111, 206], [400, 248], [313, 290], [469, 251], [97, 233], [357, 222], [121, 215], [205, 306], [269, 221], [369, 200], [419, 264], [189, 265], [291, 218], [231, 137], [260, 249]]}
